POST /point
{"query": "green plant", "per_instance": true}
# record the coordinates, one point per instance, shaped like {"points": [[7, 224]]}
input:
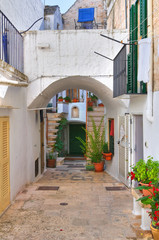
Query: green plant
{"points": [[145, 171], [90, 167], [89, 109], [59, 145], [105, 148], [94, 97], [60, 97], [52, 155], [153, 201], [94, 146], [67, 98]]}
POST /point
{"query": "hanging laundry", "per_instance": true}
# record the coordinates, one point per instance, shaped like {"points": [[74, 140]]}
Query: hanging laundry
{"points": [[144, 60]]}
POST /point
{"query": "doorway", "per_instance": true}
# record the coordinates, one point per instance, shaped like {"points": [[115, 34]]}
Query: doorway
{"points": [[76, 130]]}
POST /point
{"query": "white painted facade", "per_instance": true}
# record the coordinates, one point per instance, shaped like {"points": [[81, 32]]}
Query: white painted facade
{"points": [[23, 13]]}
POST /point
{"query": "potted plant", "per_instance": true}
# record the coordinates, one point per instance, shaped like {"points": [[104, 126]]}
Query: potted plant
{"points": [[106, 154], [75, 100], [89, 109], [51, 159], [60, 99], [154, 203], [67, 99], [145, 172], [100, 105], [94, 99], [82, 97], [94, 146], [90, 103]]}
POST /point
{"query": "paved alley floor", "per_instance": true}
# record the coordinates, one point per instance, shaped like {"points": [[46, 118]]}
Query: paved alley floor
{"points": [[78, 208]]}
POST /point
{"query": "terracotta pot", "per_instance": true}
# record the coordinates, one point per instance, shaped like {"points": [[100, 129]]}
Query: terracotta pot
{"points": [[99, 167], [155, 232], [146, 192], [66, 101], [51, 163], [100, 105], [107, 156], [88, 99], [90, 103], [60, 100], [75, 100]]}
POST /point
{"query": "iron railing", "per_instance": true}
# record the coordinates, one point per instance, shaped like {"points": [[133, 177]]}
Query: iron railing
{"points": [[11, 43], [119, 72]]}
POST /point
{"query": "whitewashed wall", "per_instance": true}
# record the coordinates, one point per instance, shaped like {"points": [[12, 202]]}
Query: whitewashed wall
{"points": [[23, 13], [24, 135]]}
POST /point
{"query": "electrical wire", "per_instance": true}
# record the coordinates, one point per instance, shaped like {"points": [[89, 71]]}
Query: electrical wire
{"points": [[31, 25]]}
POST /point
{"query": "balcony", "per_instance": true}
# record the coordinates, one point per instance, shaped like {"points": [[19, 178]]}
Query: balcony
{"points": [[11, 44], [125, 84]]}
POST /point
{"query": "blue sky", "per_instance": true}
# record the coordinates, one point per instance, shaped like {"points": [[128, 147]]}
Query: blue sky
{"points": [[63, 4]]}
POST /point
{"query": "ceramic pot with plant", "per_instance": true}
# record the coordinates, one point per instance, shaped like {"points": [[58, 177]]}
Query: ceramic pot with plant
{"points": [[75, 100], [106, 154], [154, 203], [94, 145], [145, 172], [51, 159], [67, 99], [60, 99], [94, 99]]}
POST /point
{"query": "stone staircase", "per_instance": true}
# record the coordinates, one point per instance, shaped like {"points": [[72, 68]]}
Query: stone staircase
{"points": [[97, 114], [52, 127]]}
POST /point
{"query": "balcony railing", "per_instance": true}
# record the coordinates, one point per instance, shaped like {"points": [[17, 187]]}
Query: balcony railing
{"points": [[120, 81], [11, 43]]}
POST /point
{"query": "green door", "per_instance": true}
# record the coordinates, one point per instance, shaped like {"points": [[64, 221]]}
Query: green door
{"points": [[75, 130]]}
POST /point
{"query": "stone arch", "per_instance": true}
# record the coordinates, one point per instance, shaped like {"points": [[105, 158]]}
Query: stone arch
{"points": [[43, 89]]}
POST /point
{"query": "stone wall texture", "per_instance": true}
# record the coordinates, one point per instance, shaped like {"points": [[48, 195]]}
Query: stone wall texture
{"points": [[72, 14]]}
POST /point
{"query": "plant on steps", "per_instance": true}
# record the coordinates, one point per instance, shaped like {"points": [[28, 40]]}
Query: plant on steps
{"points": [[94, 146], [59, 145]]}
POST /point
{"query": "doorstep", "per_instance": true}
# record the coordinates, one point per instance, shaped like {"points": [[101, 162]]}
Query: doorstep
{"points": [[60, 161]]}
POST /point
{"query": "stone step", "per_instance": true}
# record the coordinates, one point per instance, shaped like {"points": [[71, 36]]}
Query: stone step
{"points": [[52, 130], [74, 158], [98, 109], [96, 119], [52, 135], [90, 124], [54, 119], [54, 115], [53, 124], [95, 114], [51, 142]]}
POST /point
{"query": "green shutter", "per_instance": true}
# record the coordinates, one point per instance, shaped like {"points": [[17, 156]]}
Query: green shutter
{"points": [[111, 140], [129, 80]]}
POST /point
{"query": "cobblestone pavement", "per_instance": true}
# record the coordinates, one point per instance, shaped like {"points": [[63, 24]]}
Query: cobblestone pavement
{"points": [[81, 209]]}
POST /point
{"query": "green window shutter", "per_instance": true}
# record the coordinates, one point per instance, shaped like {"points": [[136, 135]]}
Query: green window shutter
{"points": [[129, 74], [111, 139], [143, 18]]}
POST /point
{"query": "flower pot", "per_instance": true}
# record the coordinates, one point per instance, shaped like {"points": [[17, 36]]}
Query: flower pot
{"points": [[145, 191], [155, 232], [107, 156], [51, 163], [90, 104], [66, 101], [100, 105], [99, 167], [60, 100], [75, 100]]}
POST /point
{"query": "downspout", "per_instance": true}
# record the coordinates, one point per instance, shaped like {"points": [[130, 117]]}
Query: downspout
{"points": [[149, 110]]}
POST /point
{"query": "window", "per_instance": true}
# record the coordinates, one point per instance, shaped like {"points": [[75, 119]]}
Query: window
{"points": [[75, 112]]}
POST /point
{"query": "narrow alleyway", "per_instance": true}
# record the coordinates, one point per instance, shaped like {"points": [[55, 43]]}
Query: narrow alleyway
{"points": [[81, 209]]}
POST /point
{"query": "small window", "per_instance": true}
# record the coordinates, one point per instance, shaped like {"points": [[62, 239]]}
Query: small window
{"points": [[111, 135], [75, 112]]}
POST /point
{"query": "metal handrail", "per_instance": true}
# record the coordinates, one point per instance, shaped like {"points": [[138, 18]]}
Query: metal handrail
{"points": [[11, 43]]}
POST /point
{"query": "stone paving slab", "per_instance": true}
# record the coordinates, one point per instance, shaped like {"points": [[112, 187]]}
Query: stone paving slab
{"points": [[92, 212]]}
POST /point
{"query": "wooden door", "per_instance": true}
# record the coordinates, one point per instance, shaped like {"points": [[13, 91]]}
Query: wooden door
{"points": [[4, 164], [75, 130], [124, 148]]}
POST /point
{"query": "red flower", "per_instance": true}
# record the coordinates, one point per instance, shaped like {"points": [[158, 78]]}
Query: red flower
{"points": [[157, 205], [150, 183], [157, 189], [157, 224], [156, 213], [155, 218], [154, 191], [132, 176]]}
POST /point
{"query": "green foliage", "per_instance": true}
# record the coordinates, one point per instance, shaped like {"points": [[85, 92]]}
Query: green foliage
{"points": [[105, 148], [94, 97], [52, 155], [67, 98], [90, 167], [146, 171], [153, 201], [59, 145], [60, 97], [89, 109], [94, 146]]}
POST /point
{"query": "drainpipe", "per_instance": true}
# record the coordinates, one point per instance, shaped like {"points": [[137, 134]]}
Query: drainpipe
{"points": [[149, 110]]}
